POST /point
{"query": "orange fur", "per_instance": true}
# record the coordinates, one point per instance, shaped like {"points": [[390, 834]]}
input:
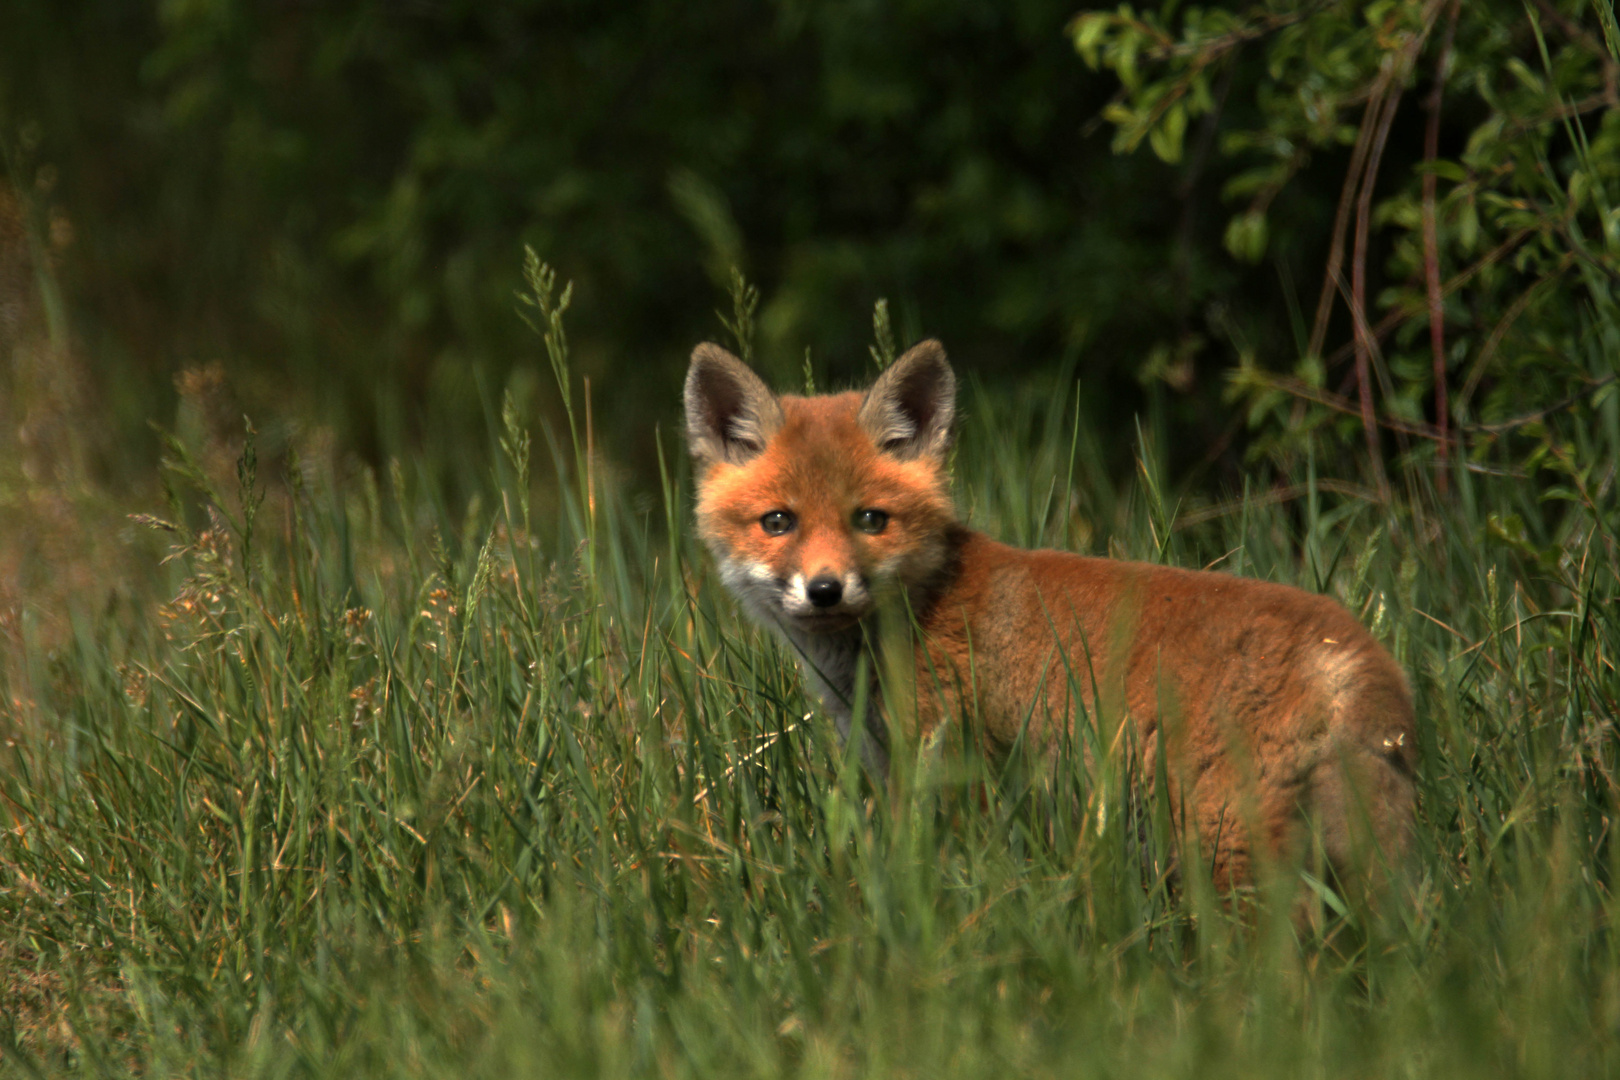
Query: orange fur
{"points": [[1268, 705]]}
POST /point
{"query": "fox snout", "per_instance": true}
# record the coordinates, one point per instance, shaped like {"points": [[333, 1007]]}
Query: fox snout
{"points": [[826, 597], [824, 591], [822, 601]]}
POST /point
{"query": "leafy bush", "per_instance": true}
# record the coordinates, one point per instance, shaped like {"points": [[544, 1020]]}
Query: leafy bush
{"points": [[1494, 314]]}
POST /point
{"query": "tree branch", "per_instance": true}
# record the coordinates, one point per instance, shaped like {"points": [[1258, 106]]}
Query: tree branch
{"points": [[1431, 248]]}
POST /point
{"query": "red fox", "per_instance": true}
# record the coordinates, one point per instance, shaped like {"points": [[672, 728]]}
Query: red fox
{"points": [[1274, 709]]}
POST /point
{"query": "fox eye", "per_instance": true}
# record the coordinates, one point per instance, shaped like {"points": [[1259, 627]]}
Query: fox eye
{"points": [[778, 522], [871, 522]]}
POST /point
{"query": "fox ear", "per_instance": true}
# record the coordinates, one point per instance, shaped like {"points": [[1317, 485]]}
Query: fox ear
{"points": [[730, 412], [910, 409]]}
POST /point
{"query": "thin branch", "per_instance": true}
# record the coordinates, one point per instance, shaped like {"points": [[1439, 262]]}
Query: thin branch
{"points": [[1375, 347], [1431, 248], [1298, 388], [1576, 33], [1396, 70], [1487, 352], [1541, 414], [1286, 493], [1390, 75], [1205, 140], [1358, 284], [1341, 217], [1607, 98], [1390, 322], [1206, 52]]}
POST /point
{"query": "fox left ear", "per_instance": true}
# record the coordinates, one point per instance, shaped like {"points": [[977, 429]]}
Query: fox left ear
{"points": [[910, 409], [730, 413]]}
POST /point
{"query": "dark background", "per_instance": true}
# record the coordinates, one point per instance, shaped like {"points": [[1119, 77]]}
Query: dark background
{"points": [[326, 205], [331, 200]]}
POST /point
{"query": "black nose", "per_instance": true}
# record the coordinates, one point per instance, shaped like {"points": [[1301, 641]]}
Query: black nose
{"points": [[824, 591]]}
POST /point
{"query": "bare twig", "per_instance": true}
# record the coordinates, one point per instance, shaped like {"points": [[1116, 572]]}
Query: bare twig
{"points": [[1487, 351], [1579, 35], [1285, 493], [1205, 140], [1341, 218], [1397, 316], [1542, 414], [1298, 388], [1360, 180], [1390, 75], [1294, 387], [1604, 99], [1431, 248], [1358, 282], [1385, 383], [1212, 49]]}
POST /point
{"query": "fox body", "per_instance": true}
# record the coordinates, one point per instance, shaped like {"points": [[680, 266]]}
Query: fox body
{"points": [[1272, 709]]}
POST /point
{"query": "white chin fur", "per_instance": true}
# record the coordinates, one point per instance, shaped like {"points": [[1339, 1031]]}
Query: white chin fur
{"points": [[754, 585]]}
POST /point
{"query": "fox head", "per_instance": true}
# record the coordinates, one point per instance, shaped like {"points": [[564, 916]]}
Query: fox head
{"points": [[812, 505]]}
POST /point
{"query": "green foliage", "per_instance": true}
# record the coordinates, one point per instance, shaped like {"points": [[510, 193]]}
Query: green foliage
{"points": [[328, 200], [1503, 237], [331, 198], [394, 790]]}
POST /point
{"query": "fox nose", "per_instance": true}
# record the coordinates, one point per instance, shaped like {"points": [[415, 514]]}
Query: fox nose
{"points": [[824, 591]]}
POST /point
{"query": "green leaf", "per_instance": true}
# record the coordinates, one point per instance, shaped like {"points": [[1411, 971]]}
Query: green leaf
{"points": [[1468, 226], [1167, 135], [1580, 186], [1246, 236], [1445, 170], [1087, 31], [1247, 183], [1529, 79]]}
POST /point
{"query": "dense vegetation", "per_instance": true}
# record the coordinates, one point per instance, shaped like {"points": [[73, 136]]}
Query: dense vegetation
{"points": [[379, 789], [406, 731]]}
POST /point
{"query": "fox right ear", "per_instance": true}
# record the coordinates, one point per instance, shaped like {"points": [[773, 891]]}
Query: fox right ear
{"points": [[730, 412], [910, 409]]}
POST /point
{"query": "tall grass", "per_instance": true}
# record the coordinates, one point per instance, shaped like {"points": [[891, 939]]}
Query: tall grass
{"points": [[388, 789]]}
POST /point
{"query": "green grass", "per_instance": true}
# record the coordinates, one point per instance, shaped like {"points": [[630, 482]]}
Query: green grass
{"points": [[385, 789]]}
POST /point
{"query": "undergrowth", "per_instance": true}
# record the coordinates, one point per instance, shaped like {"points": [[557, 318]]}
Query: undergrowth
{"points": [[382, 787]]}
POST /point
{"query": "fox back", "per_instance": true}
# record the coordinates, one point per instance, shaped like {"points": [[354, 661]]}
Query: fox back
{"points": [[1272, 710]]}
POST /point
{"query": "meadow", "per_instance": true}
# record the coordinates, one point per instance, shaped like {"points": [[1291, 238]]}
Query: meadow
{"points": [[360, 781]]}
